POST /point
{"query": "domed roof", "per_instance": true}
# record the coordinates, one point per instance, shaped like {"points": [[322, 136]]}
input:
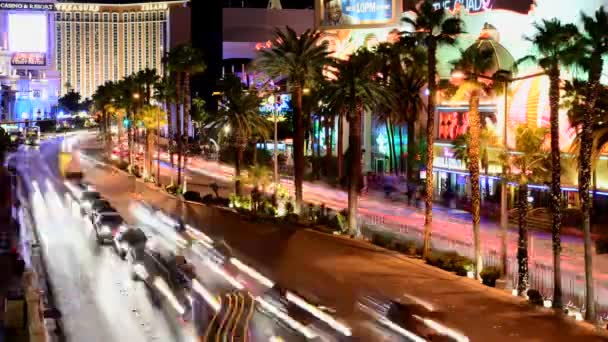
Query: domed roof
{"points": [[502, 58]]}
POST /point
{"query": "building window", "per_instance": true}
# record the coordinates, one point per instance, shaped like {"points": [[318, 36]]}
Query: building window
{"points": [[58, 48]]}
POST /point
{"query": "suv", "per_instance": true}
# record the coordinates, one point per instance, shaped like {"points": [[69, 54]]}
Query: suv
{"points": [[106, 226]]}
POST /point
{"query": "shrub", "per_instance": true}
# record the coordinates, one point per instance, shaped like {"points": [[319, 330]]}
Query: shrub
{"points": [[208, 199], [289, 208], [450, 261], [601, 245], [267, 209], [489, 276], [534, 297], [171, 188], [381, 240], [193, 196], [404, 246], [291, 218]]}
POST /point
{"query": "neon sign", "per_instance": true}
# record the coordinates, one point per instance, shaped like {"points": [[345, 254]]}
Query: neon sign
{"points": [[478, 6], [27, 6], [31, 58]]}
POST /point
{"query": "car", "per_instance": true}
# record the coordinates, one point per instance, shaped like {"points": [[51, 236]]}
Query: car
{"points": [[86, 198], [95, 206], [106, 210], [409, 317], [166, 275], [127, 239], [106, 226]]}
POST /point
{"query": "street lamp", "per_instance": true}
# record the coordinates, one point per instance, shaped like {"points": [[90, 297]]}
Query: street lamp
{"points": [[275, 157]]}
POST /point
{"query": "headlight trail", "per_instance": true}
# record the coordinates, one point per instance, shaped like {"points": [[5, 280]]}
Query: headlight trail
{"points": [[299, 327], [252, 273], [345, 330]]}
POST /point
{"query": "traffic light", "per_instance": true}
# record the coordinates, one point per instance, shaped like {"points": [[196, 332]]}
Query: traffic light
{"points": [[126, 123]]}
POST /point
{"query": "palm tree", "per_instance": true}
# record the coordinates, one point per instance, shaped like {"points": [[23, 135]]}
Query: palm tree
{"points": [[532, 165], [147, 78], [239, 111], [595, 44], [432, 28], [183, 61], [300, 59], [356, 89], [557, 46], [487, 139], [152, 117], [102, 101], [165, 94], [475, 63], [125, 89]]}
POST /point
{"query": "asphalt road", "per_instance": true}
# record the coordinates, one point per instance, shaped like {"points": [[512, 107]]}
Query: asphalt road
{"points": [[92, 286]]}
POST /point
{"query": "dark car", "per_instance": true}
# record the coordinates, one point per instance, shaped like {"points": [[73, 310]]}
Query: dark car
{"points": [[86, 198], [106, 226], [409, 318], [127, 239]]}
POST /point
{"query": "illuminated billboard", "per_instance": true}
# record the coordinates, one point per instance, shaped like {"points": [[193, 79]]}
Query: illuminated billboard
{"points": [[333, 14], [27, 32], [29, 59]]}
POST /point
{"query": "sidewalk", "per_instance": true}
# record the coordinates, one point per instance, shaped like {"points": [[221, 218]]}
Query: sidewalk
{"points": [[337, 270]]}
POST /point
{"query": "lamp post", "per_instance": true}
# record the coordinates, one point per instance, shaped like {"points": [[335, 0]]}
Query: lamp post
{"points": [[275, 157]]}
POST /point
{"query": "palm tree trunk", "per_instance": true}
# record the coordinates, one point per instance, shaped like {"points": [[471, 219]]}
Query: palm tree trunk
{"points": [[522, 241], [179, 128], [238, 160], [401, 161], [475, 132], [187, 103], [354, 144], [411, 146], [318, 159], [149, 151], [486, 171], [169, 128], [340, 146], [298, 146], [430, 140], [130, 141], [107, 133], [327, 145], [390, 149], [584, 181], [556, 190]]}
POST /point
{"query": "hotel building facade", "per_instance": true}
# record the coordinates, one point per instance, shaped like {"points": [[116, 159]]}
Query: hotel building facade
{"points": [[96, 43]]}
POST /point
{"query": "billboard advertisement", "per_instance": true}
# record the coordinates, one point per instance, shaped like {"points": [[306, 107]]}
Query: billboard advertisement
{"points": [[29, 59], [27, 32], [335, 14]]}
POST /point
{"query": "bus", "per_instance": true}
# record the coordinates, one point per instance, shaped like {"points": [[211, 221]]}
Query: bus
{"points": [[32, 135]]}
